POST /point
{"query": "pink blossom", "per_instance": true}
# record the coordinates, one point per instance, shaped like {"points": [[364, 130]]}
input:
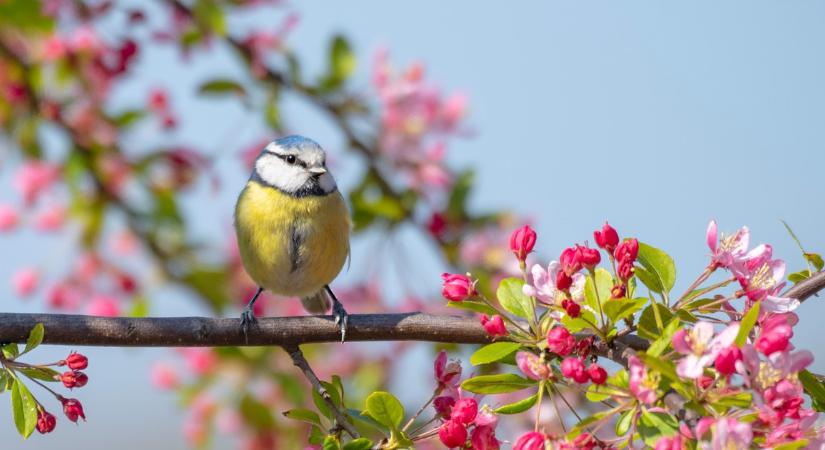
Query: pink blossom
{"points": [[726, 359], [764, 283], [573, 368], [464, 411], [701, 347], [25, 281], [531, 440], [85, 39], [164, 376], [443, 405], [670, 443], [200, 361], [522, 242], [761, 374], [494, 326], [484, 438], [486, 418], [8, 218], [457, 287], [34, 177], [103, 305], [124, 243], [54, 48], [446, 374], [727, 251], [532, 366], [597, 374], [560, 341], [775, 333], [726, 432], [50, 219], [543, 284], [643, 385], [452, 434]]}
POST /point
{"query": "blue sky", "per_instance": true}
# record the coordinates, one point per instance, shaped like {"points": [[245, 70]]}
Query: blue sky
{"points": [[655, 116]]}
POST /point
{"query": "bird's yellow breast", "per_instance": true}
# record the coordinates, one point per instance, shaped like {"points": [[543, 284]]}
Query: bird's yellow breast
{"points": [[289, 245]]}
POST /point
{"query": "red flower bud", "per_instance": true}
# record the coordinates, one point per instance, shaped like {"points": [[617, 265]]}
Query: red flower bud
{"points": [[563, 281], [589, 257], [484, 438], [457, 287], [531, 440], [572, 308], [494, 326], [522, 242], [444, 406], [45, 422], [560, 341], [726, 359], [627, 250], [126, 283], [464, 411], [618, 291], [437, 225], [73, 379], [607, 238], [574, 368], [597, 374], [72, 409], [705, 381], [570, 261], [625, 270], [452, 434], [75, 361]]}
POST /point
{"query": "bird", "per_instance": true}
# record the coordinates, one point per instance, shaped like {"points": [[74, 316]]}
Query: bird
{"points": [[293, 225]]}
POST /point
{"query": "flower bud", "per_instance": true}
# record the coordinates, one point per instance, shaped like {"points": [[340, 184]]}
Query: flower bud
{"points": [[572, 308], [45, 422], [627, 251], [72, 409], [452, 434], [563, 281], [444, 406], [484, 438], [607, 238], [625, 270], [574, 368], [532, 366], [560, 341], [570, 261], [446, 373], [618, 291], [597, 374], [75, 361], [457, 287], [464, 411], [589, 257], [726, 359], [522, 242], [494, 326], [73, 379], [532, 440]]}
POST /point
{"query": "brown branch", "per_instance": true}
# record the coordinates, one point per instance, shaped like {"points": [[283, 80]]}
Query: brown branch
{"points": [[807, 288]]}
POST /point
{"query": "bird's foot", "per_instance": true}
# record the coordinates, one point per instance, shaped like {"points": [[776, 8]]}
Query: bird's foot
{"points": [[341, 318], [247, 320]]}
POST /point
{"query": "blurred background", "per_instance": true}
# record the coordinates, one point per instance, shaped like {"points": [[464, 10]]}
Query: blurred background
{"points": [[128, 127]]}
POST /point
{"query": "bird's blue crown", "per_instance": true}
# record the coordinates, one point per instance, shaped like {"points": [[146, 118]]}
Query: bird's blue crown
{"points": [[296, 142]]}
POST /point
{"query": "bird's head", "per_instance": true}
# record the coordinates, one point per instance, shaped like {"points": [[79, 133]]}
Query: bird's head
{"points": [[295, 165]]}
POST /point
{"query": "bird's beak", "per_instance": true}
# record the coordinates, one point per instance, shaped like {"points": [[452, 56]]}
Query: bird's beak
{"points": [[317, 171]]}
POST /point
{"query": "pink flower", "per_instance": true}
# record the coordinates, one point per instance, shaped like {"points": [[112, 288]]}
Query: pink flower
{"points": [[484, 438], [782, 400], [560, 341], [775, 333], [589, 257], [727, 251], [163, 376], [51, 219], [726, 359], [452, 434], [761, 375], [443, 406], [570, 261], [701, 347], [583, 441], [764, 282], [464, 411], [532, 366], [486, 418], [544, 284], [574, 368], [726, 432], [457, 287], [597, 374], [494, 326], [199, 360], [8, 218], [446, 374], [25, 281], [531, 440], [54, 47], [643, 385], [34, 177], [103, 305], [522, 242], [607, 238], [670, 443]]}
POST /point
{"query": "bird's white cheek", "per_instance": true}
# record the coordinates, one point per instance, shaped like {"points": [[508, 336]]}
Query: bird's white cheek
{"points": [[327, 182]]}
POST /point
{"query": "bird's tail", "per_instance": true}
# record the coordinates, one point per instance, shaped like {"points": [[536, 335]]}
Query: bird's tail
{"points": [[318, 303]]}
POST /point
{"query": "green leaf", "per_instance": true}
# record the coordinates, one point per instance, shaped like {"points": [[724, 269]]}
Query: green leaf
{"points": [[221, 87], [471, 305], [210, 14], [740, 400], [795, 445], [457, 202], [256, 413], [24, 408], [623, 424], [747, 325], [660, 345], [385, 409], [303, 415], [513, 300], [658, 263], [619, 308], [654, 425], [648, 326], [802, 275], [496, 384], [519, 406], [341, 64], [358, 444], [41, 373], [331, 442], [493, 352], [35, 338], [815, 259], [11, 351], [603, 286], [649, 279], [814, 388], [320, 404], [128, 118], [579, 323]]}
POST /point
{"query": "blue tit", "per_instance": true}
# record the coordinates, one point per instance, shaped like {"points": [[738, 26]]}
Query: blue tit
{"points": [[293, 227]]}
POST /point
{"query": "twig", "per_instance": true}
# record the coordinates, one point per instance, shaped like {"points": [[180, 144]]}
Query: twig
{"points": [[300, 362]]}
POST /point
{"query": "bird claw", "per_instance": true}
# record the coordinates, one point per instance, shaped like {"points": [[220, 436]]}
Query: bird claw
{"points": [[247, 320], [341, 318]]}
